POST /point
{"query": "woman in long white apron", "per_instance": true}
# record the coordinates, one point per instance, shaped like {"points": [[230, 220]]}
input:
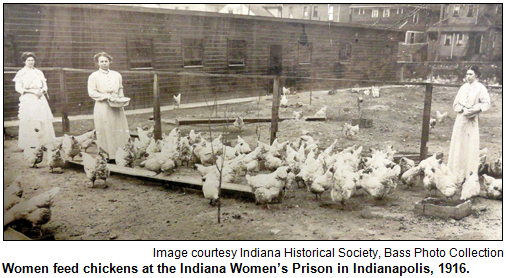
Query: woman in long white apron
{"points": [[35, 117], [471, 100], [110, 122]]}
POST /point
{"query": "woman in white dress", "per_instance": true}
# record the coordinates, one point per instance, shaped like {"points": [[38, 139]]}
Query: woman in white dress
{"points": [[35, 117], [471, 100], [110, 122]]}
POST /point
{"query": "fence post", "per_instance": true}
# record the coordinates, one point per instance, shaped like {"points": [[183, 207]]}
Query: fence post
{"points": [[426, 121], [275, 107], [156, 109], [65, 123]]}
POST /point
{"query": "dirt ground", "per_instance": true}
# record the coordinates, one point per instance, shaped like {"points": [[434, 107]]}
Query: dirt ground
{"points": [[134, 209]]}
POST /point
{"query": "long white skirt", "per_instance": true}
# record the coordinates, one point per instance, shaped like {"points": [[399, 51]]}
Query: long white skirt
{"points": [[35, 122], [111, 127]]}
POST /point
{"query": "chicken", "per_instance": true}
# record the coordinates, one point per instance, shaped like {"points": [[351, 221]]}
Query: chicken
{"points": [[350, 131], [185, 151], [471, 186], [274, 179], [311, 169], [125, 156], [378, 182], [269, 187], [168, 166], [344, 184], [429, 180], [96, 168], [375, 91], [495, 168], [483, 167], [194, 138], [332, 149], [13, 194], [239, 123], [297, 115], [85, 136], [34, 155], [441, 117], [322, 112], [242, 146], [286, 91], [177, 100], [432, 123], [87, 143], [271, 162], [284, 101], [412, 176], [55, 159], [210, 187], [37, 210], [367, 92], [202, 153], [70, 146], [493, 187], [406, 164], [322, 183], [448, 184]]}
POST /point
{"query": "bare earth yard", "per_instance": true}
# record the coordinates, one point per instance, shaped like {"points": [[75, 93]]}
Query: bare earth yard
{"points": [[134, 209]]}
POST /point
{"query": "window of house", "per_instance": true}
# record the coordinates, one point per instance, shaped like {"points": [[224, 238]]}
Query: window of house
{"points": [[400, 11], [361, 11], [498, 10], [345, 52], [375, 12], [140, 53], [415, 17], [459, 39], [315, 11], [193, 52], [456, 10], [305, 52], [386, 13], [331, 13], [305, 14], [290, 12], [236, 52], [470, 11], [448, 39]]}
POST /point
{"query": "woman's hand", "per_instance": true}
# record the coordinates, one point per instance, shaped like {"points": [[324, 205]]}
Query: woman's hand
{"points": [[471, 112]]}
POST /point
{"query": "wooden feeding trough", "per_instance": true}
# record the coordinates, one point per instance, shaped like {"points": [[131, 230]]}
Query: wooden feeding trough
{"points": [[362, 123], [442, 208], [179, 122]]}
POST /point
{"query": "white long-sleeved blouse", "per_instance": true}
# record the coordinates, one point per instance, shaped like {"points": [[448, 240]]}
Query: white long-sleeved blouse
{"points": [[101, 84], [27, 79]]}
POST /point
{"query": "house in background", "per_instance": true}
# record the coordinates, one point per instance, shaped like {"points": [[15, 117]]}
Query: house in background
{"points": [[246, 9], [467, 32], [320, 12], [190, 7]]}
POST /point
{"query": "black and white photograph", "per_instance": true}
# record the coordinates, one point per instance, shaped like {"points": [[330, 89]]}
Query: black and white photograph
{"points": [[253, 122]]}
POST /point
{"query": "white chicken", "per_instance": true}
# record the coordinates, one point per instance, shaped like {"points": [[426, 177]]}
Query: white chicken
{"points": [[471, 186], [284, 101], [441, 117], [70, 146], [432, 123], [297, 115], [446, 183], [269, 187], [412, 176], [350, 131], [239, 122], [125, 156], [36, 210], [493, 187], [375, 91], [177, 100], [210, 187], [322, 112], [96, 168], [406, 164], [12, 194], [322, 183], [286, 91]]}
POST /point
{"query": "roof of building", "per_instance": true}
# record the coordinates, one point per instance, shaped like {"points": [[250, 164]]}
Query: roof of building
{"points": [[458, 28]]}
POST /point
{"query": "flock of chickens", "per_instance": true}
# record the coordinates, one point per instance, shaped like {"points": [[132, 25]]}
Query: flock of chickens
{"points": [[271, 170]]}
